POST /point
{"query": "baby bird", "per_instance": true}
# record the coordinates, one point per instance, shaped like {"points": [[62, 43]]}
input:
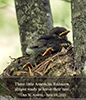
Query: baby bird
{"points": [[48, 45]]}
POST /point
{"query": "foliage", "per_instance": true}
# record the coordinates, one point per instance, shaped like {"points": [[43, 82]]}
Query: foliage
{"points": [[61, 13]]}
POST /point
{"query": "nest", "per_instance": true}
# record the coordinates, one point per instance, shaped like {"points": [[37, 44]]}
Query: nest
{"points": [[60, 64]]}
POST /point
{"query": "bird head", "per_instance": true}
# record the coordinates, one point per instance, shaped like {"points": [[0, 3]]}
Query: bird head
{"points": [[60, 32]]}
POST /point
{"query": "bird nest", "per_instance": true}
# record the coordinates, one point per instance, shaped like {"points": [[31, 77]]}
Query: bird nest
{"points": [[60, 64]]}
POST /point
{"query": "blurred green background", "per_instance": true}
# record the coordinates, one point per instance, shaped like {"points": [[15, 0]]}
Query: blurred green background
{"points": [[9, 33]]}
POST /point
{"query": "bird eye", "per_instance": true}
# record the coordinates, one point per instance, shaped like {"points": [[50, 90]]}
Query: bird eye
{"points": [[56, 32]]}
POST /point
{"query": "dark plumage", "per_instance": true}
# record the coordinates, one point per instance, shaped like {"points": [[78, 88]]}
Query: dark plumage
{"points": [[52, 42], [57, 30]]}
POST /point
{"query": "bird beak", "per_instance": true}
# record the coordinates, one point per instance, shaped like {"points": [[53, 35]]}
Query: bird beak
{"points": [[47, 51], [64, 33], [27, 65]]}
